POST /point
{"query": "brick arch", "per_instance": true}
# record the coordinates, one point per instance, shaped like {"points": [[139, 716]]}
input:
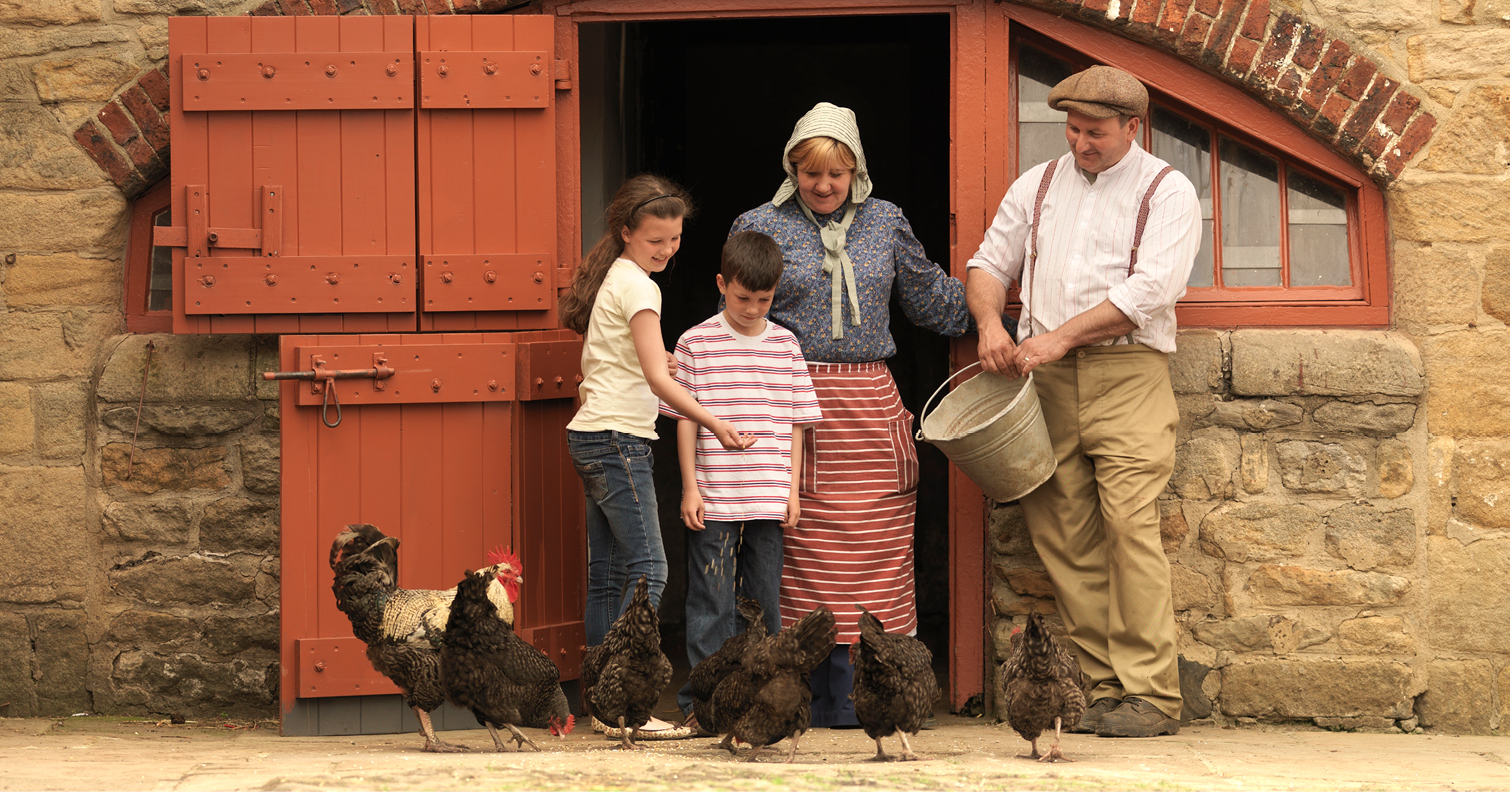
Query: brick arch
{"points": [[1338, 95]]}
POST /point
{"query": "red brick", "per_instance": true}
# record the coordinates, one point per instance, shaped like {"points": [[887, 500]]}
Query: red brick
{"points": [[1400, 111], [1309, 103], [1223, 29], [1308, 51], [1357, 79], [107, 156], [1146, 12], [1172, 21], [465, 6], [270, 8], [115, 120], [1329, 120], [1193, 38], [350, 6], [1287, 89], [1277, 48], [1257, 20], [1095, 5], [1240, 59], [155, 83], [154, 125], [293, 7], [411, 7], [1366, 112], [1333, 65], [323, 7], [437, 7], [1208, 7], [1410, 144], [1375, 144]]}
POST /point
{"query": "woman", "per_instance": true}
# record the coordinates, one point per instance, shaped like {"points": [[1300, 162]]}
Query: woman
{"points": [[845, 254]]}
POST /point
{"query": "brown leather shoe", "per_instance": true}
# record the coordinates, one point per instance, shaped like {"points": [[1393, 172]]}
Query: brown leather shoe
{"points": [[1094, 713], [1136, 718]]}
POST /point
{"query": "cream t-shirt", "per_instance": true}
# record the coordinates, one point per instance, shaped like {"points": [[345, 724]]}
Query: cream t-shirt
{"points": [[614, 393]]}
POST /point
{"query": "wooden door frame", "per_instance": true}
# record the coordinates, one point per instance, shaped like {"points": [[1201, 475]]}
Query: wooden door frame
{"points": [[976, 30]]}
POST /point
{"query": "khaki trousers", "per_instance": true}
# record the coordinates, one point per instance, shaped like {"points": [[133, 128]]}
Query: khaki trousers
{"points": [[1111, 417]]}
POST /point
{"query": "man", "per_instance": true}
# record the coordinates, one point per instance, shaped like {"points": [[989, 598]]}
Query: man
{"points": [[1101, 241]]}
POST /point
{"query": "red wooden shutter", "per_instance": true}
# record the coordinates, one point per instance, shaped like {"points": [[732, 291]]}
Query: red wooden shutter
{"points": [[292, 174]]}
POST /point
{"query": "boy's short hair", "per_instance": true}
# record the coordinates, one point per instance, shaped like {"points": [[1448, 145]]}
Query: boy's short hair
{"points": [[751, 259]]}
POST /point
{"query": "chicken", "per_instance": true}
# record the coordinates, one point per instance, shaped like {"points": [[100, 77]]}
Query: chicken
{"points": [[488, 669], [622, 678], [717, 666], [768, 699], [894, 687], [403, 628], [1040, 683]]}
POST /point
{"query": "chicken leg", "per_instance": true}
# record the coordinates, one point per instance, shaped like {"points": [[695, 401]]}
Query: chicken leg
{"points": [[907, 754], [881, 755], [793, 753], [627, 736], [1054, 754], [433, 743]]}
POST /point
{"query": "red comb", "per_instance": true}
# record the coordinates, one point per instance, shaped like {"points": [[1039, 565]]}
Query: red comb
{"points": [[502, 555], [1016, 630]]}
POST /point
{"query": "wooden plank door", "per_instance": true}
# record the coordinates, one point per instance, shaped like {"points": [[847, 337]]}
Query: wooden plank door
{"points": [[292, 174]]}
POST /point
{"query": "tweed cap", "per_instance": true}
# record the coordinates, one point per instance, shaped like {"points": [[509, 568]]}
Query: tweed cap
{"points": [[1101, 92]]}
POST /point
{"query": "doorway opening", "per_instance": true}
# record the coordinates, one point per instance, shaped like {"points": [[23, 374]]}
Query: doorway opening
{"points": [[710, 104]]}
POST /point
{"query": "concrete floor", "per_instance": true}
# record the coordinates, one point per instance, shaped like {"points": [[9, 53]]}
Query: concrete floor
{"points": [[131, 754]]}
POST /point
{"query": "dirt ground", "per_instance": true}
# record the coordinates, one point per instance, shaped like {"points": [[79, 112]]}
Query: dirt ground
{"points": [[130, 754]]}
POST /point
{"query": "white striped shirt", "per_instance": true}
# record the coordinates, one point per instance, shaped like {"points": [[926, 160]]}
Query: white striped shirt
{"points": [[1085, 238]]}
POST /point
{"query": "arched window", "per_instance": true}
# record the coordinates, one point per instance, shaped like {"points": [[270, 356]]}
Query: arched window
{"points": [[1292, 234], [149, 268]]}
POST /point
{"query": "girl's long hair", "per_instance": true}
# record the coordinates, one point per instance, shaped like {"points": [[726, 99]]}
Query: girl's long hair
{"points": [[626, 211]]}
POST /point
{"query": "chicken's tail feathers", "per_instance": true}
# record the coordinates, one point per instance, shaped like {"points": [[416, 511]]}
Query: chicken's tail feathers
{"points": [[750, 609], [814, 635]]}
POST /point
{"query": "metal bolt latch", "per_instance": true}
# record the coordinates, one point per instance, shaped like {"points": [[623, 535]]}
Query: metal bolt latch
{"points": [[489, 68], [492, 385], [444, 70], [396, 278], [445, 277], [330, 71], [268, 71], [208, 280], [320, 666], [538, 277]]}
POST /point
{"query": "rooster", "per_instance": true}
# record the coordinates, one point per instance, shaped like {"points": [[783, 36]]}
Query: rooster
{"points": [[489, 670], [768, 699], [622, 678], [718, 666], [403, 628], [1040, 683], [894, 686]]}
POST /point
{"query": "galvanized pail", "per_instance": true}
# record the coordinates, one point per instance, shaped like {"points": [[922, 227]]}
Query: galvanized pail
{"points": [[993, 429]]}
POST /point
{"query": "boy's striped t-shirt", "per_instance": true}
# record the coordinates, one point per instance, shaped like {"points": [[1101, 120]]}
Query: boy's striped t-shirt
{"points": [[761, 385]]}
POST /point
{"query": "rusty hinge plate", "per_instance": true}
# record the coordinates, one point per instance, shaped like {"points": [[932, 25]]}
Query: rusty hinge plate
{"points": [[297, 81], [488, 282], [422, 373], [298, 284], [549, 369], [475, 80], [338, 667], [563, 74]]}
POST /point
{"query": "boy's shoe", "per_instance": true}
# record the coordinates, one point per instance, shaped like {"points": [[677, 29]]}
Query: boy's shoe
{"points": [[1136, 718], [1094, 713]]}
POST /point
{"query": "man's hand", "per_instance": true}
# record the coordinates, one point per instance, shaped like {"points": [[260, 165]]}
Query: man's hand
{"points": [[1037, 351], [996, 350]]}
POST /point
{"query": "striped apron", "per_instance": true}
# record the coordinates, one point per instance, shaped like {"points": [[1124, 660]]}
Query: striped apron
{"points": [[853, 544]]}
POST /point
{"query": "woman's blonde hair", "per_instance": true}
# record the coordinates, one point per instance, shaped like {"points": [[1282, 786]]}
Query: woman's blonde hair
{"points": [[821, 153], [642, 196]]}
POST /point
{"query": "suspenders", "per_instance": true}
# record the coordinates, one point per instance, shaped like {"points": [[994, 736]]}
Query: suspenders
{"points": [[1043, 191]]}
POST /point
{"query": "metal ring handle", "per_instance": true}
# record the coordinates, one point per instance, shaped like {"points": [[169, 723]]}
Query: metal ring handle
{"points": [[330, 394], [922, 416]]}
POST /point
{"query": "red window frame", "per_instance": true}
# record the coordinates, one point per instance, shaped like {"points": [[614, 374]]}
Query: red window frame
{"points": [[138, 269], [1205, 99]]}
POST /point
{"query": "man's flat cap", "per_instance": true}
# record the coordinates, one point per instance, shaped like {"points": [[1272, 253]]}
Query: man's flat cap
{"points": [[1101, 92]]}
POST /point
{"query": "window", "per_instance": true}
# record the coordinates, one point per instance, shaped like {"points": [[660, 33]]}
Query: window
{"points": [[1291, 233], [149, 267]]}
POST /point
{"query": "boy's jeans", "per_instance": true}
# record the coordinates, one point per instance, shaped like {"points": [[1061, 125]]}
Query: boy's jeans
{"points": [[726, 559], [623, 529]]}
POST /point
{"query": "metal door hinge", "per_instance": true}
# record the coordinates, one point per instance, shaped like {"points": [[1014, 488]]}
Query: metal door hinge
{"points": [[563, 74]]}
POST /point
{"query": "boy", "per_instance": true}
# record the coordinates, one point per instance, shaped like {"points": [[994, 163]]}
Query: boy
{"points": [[750, 372]]}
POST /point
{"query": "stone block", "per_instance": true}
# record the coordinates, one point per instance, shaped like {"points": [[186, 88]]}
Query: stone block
{"points": [[155, 469], [161, 684], [18, 424], [1459, 55], [1196, 365], [1255, 415], [42, 534], [1376, 20], [167, 521], [1291, 688], [87, 78], [184, 368], [1172, 526], [146, 629], [1503, 685], [162, 7], [239, 525], [260, 464], [1378, 420], [1448, 209], [16, 684], [1440, 452], [1473, 139], [232, 635], [1367, 724], [1467, 604], [1436, 285], [35, 152], [1496, 288], [1481, 473], [63, 408], [1001, 639], [1027, 582], [265, 358], [1324, 363], [49, 12], [1258, 530], [1249, 634], [1369, 538], [82, 221], [1009, 532], [1305, 466], [1281, 585], [1375, 635], [1397, 474], [1458, 697], [185, 420], [60, 652], [184, 580], [1288, 635], [50, 346], [1009, 603], [1473, 12], [1466, 398], [1203, 466], [1192, 591], [63, 280], [1254, 468]]}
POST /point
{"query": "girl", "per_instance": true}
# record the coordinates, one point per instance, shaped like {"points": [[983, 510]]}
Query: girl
{"points": [[625, 368]]}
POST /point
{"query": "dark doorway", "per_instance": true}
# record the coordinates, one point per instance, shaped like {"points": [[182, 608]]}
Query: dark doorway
{"points": [[711, 104]]}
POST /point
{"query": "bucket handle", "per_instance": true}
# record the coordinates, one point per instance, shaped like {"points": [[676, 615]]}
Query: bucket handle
{"points": [[924, 414]]}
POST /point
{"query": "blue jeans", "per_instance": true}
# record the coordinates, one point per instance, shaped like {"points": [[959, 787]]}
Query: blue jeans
{"points": [[725, 560], [623, 528]]}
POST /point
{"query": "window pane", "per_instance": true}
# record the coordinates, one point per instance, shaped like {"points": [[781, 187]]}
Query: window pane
{"points": [[1187, 146], [1318, 233], [160, 285], [1250, 217], [1040, 129]]}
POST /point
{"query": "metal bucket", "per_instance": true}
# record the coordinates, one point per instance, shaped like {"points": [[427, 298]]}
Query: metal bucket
{"points": [[993, 429]]}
